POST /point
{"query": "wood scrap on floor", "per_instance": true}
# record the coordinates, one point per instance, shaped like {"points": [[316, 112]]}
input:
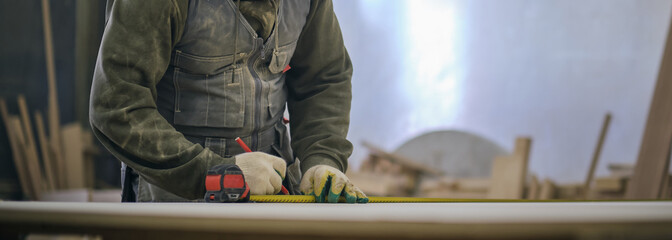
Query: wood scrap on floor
{"points": [[509, 172], [533, 188], [548, 190]]}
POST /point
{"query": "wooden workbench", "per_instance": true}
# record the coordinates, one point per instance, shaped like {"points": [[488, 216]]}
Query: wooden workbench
{"points": [[565, 220]]}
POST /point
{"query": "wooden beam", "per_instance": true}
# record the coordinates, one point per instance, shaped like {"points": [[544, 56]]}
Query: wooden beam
{"points": [[17, 152], [509, 172], [654, 154], [21, 139], [596, 155], [53, 116], [32, 159]]}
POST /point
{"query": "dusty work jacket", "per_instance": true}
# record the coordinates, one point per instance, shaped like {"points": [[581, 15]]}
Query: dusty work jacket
{"points": [[177, 80]]}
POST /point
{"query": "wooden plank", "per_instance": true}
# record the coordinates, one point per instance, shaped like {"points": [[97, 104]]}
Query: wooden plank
{"points": [[32, 159], [596, 155], [533, 188], [59, 161], [53, 117], [569, 191], [621, 169], [508, 173], [20, 139], [17, 152], [654, 154], [501, 185], [610, 184], [547, 190], [74, 156], [47, 160]]}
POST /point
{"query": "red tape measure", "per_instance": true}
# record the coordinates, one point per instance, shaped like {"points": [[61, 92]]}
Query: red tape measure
{"points": [[226, 183]]}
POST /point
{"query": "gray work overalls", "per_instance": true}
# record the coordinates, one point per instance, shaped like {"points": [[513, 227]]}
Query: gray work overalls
{"points": [[213, 96]]}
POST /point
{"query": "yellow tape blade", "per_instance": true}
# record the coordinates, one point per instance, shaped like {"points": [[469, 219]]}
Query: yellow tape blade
{"points": [[311, 199]]}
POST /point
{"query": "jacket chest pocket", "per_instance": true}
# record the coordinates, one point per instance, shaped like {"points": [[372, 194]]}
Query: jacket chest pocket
{"points": [[209, 100], [277, 96]]}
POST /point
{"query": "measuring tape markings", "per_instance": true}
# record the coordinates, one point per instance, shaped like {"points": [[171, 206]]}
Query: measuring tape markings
{"points": [[311, 199]]}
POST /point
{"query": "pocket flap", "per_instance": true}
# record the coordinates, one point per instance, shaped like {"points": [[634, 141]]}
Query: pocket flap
{"points": [[280, 58]]}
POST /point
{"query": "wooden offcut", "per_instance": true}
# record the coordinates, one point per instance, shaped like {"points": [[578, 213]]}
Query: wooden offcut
{"points": [[654, 154], [533, 188], [509, 172], [547, 190]]}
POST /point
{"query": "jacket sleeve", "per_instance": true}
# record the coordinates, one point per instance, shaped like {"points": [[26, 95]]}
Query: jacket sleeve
{"points": [[133, 56], [320, 91]]}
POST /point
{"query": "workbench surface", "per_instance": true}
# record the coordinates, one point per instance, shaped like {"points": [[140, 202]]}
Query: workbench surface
{"points": [[354, 221]]}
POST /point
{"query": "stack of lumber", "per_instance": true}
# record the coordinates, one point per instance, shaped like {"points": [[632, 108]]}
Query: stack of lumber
{"points": [[615, 185], [545, 190], [51, 156], [611, 187], [47, 163], [388, 174]]}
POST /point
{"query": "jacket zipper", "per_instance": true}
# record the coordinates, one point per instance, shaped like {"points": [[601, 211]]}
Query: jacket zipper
{"points": [[257, 93]]}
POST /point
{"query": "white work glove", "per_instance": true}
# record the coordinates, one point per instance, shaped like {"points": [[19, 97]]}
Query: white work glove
{"points": [[263, 172], [327, 184]]}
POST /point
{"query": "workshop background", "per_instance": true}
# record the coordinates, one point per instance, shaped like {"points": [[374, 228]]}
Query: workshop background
{"points": [[539, 73]]}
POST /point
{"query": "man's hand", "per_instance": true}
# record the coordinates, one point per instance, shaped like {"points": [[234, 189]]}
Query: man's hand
{"points": [[263, 172], [327, 184]]}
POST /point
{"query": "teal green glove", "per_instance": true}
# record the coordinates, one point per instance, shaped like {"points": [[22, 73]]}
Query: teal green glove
{"points": [[328, 184]]}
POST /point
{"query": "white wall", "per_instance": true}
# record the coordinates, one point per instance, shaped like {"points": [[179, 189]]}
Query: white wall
{"points": [[501, 68]]}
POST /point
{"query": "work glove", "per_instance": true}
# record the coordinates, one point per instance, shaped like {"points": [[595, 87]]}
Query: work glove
{"points": [[263, 172], [328, 184]]}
